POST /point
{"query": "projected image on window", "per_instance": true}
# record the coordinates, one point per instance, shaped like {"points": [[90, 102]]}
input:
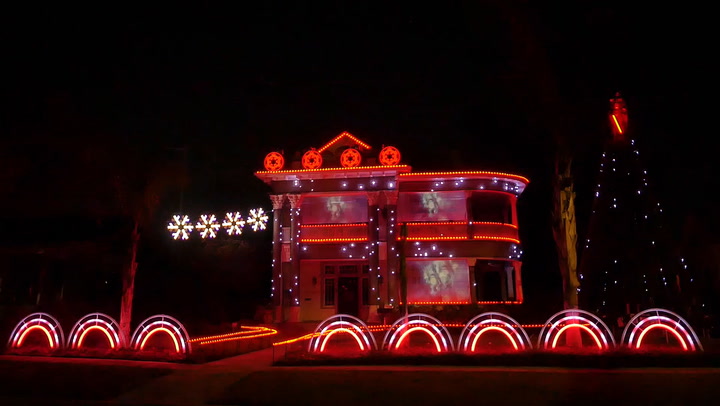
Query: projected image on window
{"points": [[335, 209], [433, 206], [438, 281]]}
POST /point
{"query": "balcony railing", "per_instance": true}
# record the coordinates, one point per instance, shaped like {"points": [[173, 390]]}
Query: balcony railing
{"points": [[333, 232], [448, 230], [461, 230]]}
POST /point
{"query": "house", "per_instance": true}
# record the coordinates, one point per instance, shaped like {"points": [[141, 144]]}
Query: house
{"points": [[346, 216]]}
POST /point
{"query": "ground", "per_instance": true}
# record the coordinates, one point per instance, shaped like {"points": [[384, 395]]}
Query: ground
{"points": [[251, 380]]}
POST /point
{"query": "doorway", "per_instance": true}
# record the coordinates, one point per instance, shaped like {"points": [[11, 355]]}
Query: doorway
{"points": [[491, 287], [348, 297], [490, 283]]}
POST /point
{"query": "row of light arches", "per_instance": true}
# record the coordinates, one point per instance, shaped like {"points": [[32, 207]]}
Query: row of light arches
{"points": [[50, 328], [557, 326]]}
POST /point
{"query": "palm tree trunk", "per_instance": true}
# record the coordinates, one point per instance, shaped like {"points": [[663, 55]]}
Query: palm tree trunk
{"points": [[128, 288], [565, 231], [565, 235]]}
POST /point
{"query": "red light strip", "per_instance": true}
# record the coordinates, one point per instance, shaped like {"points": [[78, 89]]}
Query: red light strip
{"points": [[322, 240], [246, 330], [385, 327], [490, 237], [431, 238], [421, 303], [477, 237], [460, 223], [252, 332], [356, 168], [617, 124], [462, 173], [333, 225], [341, 136], [222, 340]]}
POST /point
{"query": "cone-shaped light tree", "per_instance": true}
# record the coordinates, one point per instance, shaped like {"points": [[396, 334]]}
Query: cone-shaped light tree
{"points": [[628, 261]]}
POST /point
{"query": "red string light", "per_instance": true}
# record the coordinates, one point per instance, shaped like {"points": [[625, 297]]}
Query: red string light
{"points": [[322, 240], [249, 332], [476, 237], [333, 225], [356, 168], [344, 134], [470, 173]]}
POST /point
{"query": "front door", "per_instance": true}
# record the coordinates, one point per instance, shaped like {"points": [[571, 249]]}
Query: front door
{"points": [[348, 297]]}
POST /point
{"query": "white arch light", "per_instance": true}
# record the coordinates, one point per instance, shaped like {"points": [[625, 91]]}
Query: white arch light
{"points": [[161, 323], [650, 319], [42, 322]]}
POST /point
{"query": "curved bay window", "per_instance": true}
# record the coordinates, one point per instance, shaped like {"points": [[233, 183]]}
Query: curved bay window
{"points": [[489, 206]]}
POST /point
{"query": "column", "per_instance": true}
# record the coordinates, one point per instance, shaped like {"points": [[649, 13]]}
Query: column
{"points": [[373, 199], [518, 281], [393, 260], [294, 281], [277, 287]]}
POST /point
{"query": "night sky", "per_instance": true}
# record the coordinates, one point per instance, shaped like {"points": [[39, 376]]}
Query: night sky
{"points": [[453, 87]]}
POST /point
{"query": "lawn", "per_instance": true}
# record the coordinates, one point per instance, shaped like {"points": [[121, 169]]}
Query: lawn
{"points": [[79, 381]]}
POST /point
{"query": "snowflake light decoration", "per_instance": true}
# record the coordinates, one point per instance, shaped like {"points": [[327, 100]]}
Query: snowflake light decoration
{"points": [[207, 226], [233, 223], [180, 227], [257, 219]]}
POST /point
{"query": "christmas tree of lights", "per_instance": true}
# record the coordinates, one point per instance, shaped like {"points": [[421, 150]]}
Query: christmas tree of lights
{"points": [[628, 263]]}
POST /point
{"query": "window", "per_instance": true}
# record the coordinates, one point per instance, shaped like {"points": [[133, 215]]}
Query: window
{"points": [[491, 207], [334, 276], [348, 269], [329, 294]]}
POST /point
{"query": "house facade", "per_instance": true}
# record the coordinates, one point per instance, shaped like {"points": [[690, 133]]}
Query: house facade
{"points": [[356, 231]]}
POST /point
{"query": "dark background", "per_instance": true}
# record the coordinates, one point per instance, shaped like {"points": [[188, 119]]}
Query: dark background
{"points": [[461, 86]]}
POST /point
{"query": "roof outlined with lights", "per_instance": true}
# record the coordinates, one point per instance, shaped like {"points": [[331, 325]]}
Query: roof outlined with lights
{"points": [[346, 156]]}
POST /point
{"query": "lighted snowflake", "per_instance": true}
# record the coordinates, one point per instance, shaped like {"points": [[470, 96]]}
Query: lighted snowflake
{"points": [[233, 223], [180, 227], [257, 219], [208, 226]]}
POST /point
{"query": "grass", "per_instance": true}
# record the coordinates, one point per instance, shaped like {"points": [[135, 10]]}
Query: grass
{"points": [[439, 386], [72, 381], [608, 360]]}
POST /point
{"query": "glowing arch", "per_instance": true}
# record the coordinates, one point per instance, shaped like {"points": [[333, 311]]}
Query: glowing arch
{"points": [[562, 321], [651, 319], [42, 322], [165, 324], [96, 322], [342, 323], [411, 323], [492, 321]]}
